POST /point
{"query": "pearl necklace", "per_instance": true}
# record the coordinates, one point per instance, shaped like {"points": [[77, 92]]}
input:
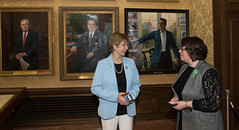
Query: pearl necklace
{"points": [[120, 70]]}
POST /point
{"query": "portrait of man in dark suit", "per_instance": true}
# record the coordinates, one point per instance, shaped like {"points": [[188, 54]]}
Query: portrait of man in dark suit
{"points": [[164, 40], [27, 41], [25, 48], [93, 46]]}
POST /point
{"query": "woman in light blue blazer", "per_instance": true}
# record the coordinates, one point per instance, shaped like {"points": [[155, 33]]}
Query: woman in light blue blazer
{"points": [[116, 83]]}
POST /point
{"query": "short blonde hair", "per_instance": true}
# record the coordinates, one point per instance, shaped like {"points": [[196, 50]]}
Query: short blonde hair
{"points": [[116, 38]]}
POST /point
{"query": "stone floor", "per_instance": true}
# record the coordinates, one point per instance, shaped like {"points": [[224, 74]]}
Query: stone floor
{"points": [[139, 125]]}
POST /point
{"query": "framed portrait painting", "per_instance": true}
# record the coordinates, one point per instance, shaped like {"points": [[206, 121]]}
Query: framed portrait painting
{"points": [[84, 39], [31, 53], [143, 27]]}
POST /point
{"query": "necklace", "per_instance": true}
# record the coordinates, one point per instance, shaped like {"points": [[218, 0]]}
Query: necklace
{"points": [[120, 70]]}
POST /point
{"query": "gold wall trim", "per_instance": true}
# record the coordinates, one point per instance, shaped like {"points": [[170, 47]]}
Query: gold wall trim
{"points": [[153, 0]]}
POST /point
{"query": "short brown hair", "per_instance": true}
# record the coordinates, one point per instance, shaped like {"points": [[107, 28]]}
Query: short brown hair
{"points": [[116, 38], [196, 48], [164, 20]]}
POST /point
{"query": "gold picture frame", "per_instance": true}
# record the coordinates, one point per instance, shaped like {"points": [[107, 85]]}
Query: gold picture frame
{"points": [[153, 0], [73, 26], [40, 22]]}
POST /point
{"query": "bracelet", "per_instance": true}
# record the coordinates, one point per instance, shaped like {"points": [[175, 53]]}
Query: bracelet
{"points": [[186, 105]]}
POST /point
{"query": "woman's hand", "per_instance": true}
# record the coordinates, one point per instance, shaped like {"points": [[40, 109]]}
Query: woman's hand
{"points": [[121, 99], [174, 99], [183, 105], [180, 105]]}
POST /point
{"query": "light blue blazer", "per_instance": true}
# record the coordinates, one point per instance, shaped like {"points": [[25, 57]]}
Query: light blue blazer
{"points": [[104, 86]]}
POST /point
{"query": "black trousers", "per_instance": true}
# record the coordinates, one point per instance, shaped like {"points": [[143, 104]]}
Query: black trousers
{"points": [[165, 61]]}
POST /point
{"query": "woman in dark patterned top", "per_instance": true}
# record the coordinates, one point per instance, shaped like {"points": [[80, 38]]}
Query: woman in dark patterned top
{"points": [[197, 89]]}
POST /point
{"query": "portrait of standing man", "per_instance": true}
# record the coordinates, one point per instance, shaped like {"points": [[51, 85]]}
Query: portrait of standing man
{"points": [[164, 41], [25, 48]]}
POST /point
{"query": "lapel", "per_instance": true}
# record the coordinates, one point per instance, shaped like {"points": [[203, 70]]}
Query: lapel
{"points": [[127, 72], [111, 70], [94, 39], [27, 37], [87, 39], [167, 37], [21, 38], [87, 35], [192, 79], [159, 34], [95, 36], [159, 41]]}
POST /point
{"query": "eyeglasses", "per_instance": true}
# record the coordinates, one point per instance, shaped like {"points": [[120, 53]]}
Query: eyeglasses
{"points": [[125, 45], [183, 48]]}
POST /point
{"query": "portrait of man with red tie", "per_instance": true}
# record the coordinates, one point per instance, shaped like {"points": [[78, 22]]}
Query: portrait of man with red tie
{"points": [[25, 48], [93, 46]]}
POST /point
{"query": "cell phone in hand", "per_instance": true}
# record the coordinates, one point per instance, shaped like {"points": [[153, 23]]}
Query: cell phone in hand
{"points": [[124, 94], [172, 104]]}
